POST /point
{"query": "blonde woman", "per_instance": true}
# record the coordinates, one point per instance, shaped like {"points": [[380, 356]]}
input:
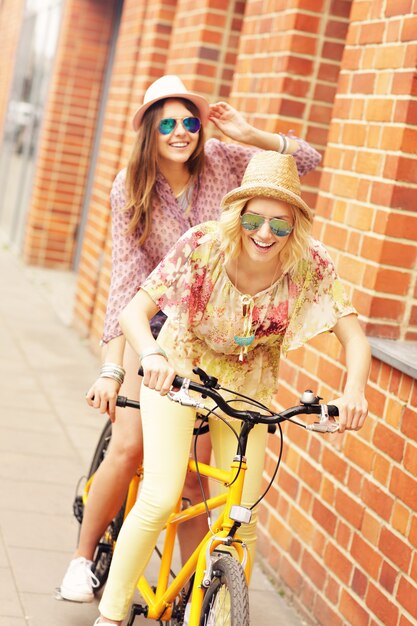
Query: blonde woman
{"points": [[236, 294]]}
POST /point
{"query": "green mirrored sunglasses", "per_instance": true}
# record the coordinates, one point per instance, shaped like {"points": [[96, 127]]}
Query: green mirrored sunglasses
{"points": [[191, 124], [253, 221]]}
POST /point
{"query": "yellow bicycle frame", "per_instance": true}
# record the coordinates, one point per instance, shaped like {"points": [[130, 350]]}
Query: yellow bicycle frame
{"points": [[160, 601]]}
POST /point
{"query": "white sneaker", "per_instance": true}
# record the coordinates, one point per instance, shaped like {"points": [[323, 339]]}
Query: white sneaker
{"points": [[187, 614], [79, 581]]}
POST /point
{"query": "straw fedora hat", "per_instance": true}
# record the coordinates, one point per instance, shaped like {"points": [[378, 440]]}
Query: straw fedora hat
{"points": [[272, 175], [169, 86]]}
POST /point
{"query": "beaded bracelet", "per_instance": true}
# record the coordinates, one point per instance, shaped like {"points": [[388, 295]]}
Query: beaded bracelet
{"points": [[155, 350]]}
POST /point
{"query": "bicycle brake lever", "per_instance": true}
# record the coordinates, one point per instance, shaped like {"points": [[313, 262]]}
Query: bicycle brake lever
{"points": [[325, 425], [183, 397]]}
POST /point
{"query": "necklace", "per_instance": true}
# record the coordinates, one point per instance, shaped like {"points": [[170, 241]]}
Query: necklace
{"points": [[248, 332], [185, 195]]}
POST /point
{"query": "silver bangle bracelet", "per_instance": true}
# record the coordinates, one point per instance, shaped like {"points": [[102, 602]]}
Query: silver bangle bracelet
{"points": [[113, 376], [284, 143], [155, 350], [114, 371]]}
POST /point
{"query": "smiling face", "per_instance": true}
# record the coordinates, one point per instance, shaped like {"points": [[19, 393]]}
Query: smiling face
{"points": [[261, 245], [179, 145]]}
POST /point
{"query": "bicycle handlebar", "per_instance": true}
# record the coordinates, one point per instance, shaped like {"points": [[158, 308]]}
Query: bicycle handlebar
{"points": [[310, 404]]}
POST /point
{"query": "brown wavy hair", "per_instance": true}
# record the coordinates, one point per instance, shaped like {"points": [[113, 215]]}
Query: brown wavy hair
{"points": [[142, 168]]}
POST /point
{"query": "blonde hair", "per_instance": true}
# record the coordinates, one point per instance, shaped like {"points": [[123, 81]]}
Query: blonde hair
{"points": [[294, 250], [142, 168]]}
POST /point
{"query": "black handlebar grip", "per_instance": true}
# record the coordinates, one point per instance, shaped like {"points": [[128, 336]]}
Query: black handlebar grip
{"points": [[121, 401], [177, 382]]}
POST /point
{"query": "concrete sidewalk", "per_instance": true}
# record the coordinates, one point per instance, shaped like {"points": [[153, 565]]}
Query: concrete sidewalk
{"points": [[48, 434]]}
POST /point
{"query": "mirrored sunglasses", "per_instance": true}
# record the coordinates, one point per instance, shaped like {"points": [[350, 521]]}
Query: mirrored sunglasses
{"points": [[279, 227], [191, 124]]}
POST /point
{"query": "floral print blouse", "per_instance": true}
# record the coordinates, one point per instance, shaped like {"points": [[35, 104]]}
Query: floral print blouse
{"points": [[205, 312], [224, 166]]}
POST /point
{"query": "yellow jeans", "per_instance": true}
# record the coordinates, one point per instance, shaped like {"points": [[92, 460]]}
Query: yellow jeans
{"points": [[167, 433]]}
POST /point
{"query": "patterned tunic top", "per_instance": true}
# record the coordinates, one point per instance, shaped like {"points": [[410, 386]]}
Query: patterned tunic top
{"points": [[224, 166], [205, 312]]}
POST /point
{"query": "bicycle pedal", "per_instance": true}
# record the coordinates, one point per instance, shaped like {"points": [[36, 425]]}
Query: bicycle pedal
{"points": [[137, 609], [78, 508]]}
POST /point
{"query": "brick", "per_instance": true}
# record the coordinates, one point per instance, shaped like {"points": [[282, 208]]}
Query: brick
{"points": [[372, 32], [409, 29], [397, 7], [406, 596], [325, 517], [403, 198], [389, 442], [350, 509], [395, 549], [371, 527], [404, 487], [388, 577], [379, 110], [279, 533], [400, 519], [313, 570], [398, 254], [359, 583], [324, 613], [406, 386], [377, 500], [409, 423], [381, 606], [338, 563], [395, 381], [365, 556], [410, 459], [382, 470], [291, 576], [363, 82], [352, 610], [401, 225], [392, 282], [334, 464]]}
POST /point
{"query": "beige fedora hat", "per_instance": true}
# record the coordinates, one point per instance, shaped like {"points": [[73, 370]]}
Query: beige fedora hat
{"points": [[169, 86], [272, 175]]}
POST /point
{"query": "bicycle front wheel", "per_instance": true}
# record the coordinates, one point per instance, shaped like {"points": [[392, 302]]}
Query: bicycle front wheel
{"points": [[226, 602]]}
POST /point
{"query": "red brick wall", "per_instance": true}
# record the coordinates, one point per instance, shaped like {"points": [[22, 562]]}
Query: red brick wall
{"points": [[339, 529], [366, 212], [288, 66], [342, 517], [68, 133], [95, 263]]}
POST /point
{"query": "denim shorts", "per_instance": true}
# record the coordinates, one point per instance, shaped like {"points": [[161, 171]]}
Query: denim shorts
{"points": [[157, 322]]}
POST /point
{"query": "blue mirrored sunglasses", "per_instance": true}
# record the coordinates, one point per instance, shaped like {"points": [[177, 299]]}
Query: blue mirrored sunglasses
{"points": [[191, 124], [253, 221]]}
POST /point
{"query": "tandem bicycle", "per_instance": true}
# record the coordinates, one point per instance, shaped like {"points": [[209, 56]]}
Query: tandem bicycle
{"points": [[215, 577]]}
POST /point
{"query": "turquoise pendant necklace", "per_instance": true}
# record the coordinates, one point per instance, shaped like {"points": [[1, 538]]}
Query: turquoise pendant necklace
{"points": [[247, 337]]}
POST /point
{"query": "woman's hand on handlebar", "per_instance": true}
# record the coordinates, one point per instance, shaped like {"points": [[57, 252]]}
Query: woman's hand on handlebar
{"points": [[102, 395], [157, 373], [353, 409]]}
